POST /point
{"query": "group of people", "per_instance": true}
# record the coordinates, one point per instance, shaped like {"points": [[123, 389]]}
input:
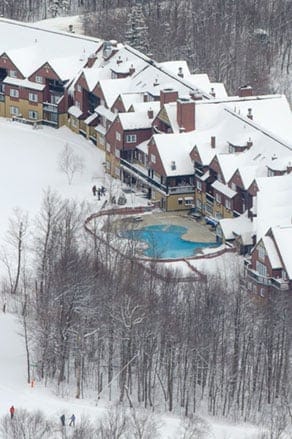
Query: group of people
{"points": [[62, 418], [71, 423], [98, 191]]}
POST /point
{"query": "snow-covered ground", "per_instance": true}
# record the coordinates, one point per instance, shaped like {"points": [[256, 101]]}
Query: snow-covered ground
{"points": [[15, 390], [28, 166]]}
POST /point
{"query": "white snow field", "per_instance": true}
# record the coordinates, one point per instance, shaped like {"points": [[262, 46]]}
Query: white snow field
{"points": [[28, 166]]}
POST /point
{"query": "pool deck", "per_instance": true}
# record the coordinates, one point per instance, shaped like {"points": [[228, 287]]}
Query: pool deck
{"points": [[196, 231]]}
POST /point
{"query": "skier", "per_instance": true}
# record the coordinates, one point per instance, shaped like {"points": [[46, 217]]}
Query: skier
{"points": [[72, 421], [12, 411], [62, 418], [94, 190]]}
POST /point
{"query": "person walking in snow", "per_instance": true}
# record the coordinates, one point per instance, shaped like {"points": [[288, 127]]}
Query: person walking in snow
{"points": [[72, 421], [94, 190], [12, 411], [62, 418], [98, 193]]}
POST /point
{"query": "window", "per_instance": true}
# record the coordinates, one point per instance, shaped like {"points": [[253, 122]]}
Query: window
{"points": [[39, 79], [153, 158], [180, 201], [14, 111], [108, 147], [199, 185], [77, 104], [261, 252], [218, 198], [12, 73], [228, 204], [131, 138], [261, 269], [117, 153], [188, 201], [33, 97], [79, 88], [233, 186], [33, 115], [14, 93], [118, 136], [219, 177]]}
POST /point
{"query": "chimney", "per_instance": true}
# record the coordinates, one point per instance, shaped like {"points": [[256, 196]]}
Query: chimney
{"points": [[119, 60], [150, 113], [168, 95], [249, 114], [186, 114], [91, 60], [249, 143], [213, 142], [131, 70], [145, 97], [173, 166], [289, 168], [155, 83], [180, 72], [212, 92], [245, 91]]}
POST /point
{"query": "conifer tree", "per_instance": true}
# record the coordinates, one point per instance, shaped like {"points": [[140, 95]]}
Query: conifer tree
{"points": [[137, 29]]}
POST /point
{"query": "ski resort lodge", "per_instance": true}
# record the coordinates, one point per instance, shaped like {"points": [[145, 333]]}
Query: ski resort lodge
{"points": [[174, 135]]}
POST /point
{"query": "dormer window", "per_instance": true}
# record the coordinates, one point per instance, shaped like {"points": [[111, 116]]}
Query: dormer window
{"points": [[39, 79], [12, 73]]}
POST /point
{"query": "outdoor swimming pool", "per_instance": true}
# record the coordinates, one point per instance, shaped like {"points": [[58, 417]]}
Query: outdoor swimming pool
{"points": [[165, 242]]}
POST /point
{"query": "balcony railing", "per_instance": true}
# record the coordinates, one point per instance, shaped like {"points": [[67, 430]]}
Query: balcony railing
{"points": [[138, 173], [181, 189], [280, 284], [51, 108], [209, 198]]}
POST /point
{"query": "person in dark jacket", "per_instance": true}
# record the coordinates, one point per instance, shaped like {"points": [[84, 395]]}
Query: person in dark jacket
{"points": [[12, 411], [62, 418], [94, 190], [72, 421]]}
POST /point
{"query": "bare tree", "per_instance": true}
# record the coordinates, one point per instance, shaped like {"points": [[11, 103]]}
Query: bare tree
{"points": [[70, 163]]}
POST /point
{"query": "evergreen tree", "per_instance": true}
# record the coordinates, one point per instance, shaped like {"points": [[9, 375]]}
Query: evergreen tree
{"points": [[137, 29]]}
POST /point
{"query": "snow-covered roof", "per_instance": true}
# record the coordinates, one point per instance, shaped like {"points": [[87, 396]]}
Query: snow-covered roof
{"points": [[111, 89], [75, 111], [103, 111], [135, 120], [240, 226], [91, 118], [273, 203], [29, 46], [174, 151], [25, 83], [143, 146], [223, 189], [283, 237], [272, 252]]}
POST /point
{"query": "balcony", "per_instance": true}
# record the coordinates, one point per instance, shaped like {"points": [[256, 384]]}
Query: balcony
{"points": [[209, 198], [51, 108], [278, 283], [188, 189], [138, 173]]}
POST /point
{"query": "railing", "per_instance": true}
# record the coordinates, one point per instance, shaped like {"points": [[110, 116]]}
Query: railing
{"points": [[209, 198], [145, 177], [52, 108], [181, 189], [280, 283]]}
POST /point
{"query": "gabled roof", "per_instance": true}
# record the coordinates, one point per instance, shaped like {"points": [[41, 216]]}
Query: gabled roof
{"points": [[272, 252], [111, 88], [135, 120], [283, 237], [175, 149]]}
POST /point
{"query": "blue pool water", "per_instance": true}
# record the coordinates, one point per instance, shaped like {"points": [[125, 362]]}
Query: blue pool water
{"points": [[164, 241]]}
